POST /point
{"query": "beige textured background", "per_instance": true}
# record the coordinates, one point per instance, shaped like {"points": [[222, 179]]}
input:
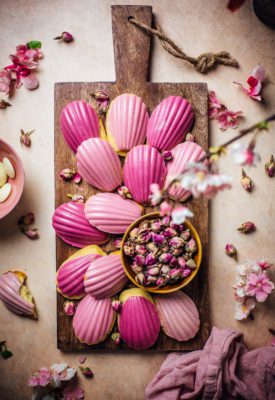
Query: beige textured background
{"points": [[198, 25]]}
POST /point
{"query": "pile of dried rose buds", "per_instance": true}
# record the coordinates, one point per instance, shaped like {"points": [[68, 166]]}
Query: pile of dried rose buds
{"points": [[161, 252]]}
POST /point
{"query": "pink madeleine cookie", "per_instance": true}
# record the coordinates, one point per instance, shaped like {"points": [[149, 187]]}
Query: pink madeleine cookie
{"points": [[183, 154], [179, 317], [99, 164], [127, 120], [105, 276], [169, 123], [73, 228], [143, 166], [110, 213], [93, 319], [79, 122]]}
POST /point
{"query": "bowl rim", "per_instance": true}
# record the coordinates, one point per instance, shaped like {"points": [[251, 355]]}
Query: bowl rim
{"points": [[162, 290], [12, 149]]}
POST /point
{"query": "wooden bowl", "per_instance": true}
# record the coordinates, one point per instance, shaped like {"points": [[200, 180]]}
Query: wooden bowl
{"points": [[6, 150], [126, 260]]}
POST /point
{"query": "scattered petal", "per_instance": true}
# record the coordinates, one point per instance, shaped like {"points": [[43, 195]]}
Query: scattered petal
{"points": [[255, 83], [82, 359], [30, 233], [165, 208], [86, 371], [228, 119], [77, 178]]}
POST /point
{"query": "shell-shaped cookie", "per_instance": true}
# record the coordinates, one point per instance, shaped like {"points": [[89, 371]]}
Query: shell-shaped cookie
{"points": [[79, 122], [169, 123], [183, 154], [73, 228], [93, 319], [127, 120], [110, 213], [143, 166], [139, 323], [179, 317], [99, 164], [105, 276], [70, 275], [15, 294]]}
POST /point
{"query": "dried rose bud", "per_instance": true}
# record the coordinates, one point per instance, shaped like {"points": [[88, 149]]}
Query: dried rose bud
{"points": [[230, 250], [149, 279], [156, 226], [136, 268], [145, 224], [270, 167], [123, 191], [102, 100], [177, 252], [66, 174], [69, 308], [27, 219], [166, 220], [185, 235], [169, 232], [140, 260], [30, 233], [144, 237], [77, 178], [134, 233], [164, 269], [153, 271], [160, 281], [189, 137], [25, 138], [181, 262], [4, 104], [191, 264], [129, 250], [141, 249], [76, 197], [116, 304], [191, 246], [187, 256], [186, 272], [86, 371], [165, 248], [140, 278], [247, 227], [167, 155], [176, 242], [174, 273], [152, 247], [165, 257], [150, 259], [158, 239], [67, 37], [174, 262], [246, 182], [116, 338]]}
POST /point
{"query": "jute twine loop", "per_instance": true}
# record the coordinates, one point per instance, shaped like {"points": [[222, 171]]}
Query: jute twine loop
{"points": [[203, 63]]}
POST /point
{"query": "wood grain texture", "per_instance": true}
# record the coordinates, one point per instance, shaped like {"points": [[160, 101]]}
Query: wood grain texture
{"points": [[132, 50]]}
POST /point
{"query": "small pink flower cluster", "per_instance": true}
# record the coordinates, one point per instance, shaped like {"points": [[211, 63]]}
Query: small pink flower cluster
{"points": [[21, 71], [218, 111], [252, 285], [255, 83], [54, 381]]}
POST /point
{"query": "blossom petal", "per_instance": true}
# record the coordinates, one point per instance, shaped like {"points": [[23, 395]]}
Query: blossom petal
{"points": [[30, 81]]}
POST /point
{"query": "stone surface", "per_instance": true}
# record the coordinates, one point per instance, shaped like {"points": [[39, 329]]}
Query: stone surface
{"points": [[90, 58]]}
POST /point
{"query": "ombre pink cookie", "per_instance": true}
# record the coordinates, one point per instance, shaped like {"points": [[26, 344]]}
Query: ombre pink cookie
{"points": [[93, 319], [105, 276], [183, 154], [178, 315], [99, 164], [15, 295], [143, 166], [79, 122], [169, 123], [110, 213], [127, 120], [73, 228]]}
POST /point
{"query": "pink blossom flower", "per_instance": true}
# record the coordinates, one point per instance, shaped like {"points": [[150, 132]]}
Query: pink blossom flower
{"points": [[156, 194], [245, 155], [259, 286], [255, 83], [264, 264], [228, 119], [243, 309], [165, 208], [214, 105], [180, 213], [73, 393], [33, 381], [44, 377], [5, 81]]}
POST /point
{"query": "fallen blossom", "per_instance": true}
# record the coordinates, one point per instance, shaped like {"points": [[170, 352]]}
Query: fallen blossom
{"points": [[243, 309], [231, 250], [245, 155], [30, 233], [180, 213], [25, 137], [233, 5], [199, 180], [66, 37], [73, 393], [61, 373], [76, 197], [69, 308], [123, 191], [4, 104], [264, 264], [270, 167], [165, 208], [246, 182], [156, 194], [214, 105], [27, 219], [102, 101], [228, 119], [42, 378], [86, 371], [247, 227], [5, 81], [255, 83]]}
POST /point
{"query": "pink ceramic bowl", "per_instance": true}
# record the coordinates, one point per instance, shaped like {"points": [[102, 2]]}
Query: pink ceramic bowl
{"points": [[6, 150]]}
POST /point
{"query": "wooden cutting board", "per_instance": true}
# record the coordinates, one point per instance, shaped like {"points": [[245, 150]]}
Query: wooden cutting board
{"points": [[132, 53]]}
